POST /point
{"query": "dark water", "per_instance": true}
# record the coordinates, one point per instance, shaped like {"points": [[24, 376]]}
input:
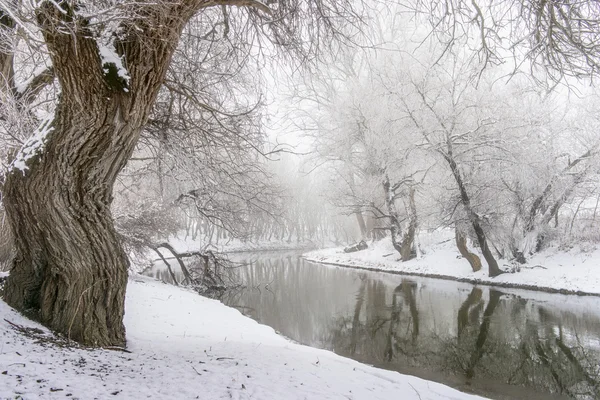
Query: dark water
{"points": [[504, 344]]}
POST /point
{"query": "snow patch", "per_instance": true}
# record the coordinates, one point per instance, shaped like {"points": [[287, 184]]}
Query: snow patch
{"points": [[108, 55], [33, 146], [574, 271]]}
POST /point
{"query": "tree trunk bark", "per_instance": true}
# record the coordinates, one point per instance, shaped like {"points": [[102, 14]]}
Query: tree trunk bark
{"points": [[461, 243], [395, 229], [70, 269]]}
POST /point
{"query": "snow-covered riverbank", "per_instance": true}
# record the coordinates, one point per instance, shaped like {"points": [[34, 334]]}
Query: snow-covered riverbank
{"points": [[576, 271], [184, 346]]}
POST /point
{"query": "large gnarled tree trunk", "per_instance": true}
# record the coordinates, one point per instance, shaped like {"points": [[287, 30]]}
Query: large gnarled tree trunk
{"points": [[70, 268]]}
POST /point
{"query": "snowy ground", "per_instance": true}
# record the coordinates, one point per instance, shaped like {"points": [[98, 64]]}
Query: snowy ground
{"points": [[575, 271], [184, 346]]}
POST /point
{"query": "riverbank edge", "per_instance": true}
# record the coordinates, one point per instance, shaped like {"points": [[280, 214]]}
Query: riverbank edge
{"points": [[476, 281], [224, 342], [274, 249]]}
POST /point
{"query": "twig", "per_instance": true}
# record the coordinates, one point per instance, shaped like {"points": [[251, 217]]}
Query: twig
{"points": [[418, 394], [194, 368], [117, 348]]}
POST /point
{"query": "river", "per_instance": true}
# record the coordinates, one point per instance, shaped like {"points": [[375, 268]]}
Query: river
{"points": [[499, 343]]}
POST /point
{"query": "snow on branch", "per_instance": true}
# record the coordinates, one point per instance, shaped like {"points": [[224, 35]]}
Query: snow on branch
{"points": [[40, 78], [33, 146]]}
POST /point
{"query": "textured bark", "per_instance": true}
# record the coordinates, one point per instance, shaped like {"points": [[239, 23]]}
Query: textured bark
{"points": [[70, 268], [461, 243]]}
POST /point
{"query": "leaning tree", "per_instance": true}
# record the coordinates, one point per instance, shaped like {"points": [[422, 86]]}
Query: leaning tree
{"points": [[109, 59]]}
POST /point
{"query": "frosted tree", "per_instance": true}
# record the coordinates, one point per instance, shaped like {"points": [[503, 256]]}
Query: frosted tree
{"points": [[552, 40], [110, 59]]}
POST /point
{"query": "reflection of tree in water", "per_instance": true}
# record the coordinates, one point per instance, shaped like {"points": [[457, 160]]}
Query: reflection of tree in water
{"points": [[469, 311], [500, 338], [569, 368], [403, 294], [376, 330], [360, 297], [527, 347], [483, 334]]}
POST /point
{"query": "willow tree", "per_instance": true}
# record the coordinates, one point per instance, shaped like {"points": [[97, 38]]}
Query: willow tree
{"points": [[109, 59]]}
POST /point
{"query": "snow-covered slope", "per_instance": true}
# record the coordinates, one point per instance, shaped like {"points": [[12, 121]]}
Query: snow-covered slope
{"points": [[184, 346], [575, 271]]}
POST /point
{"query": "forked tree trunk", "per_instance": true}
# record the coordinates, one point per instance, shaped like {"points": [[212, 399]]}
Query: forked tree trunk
{"points": [[493, 269], [402, 243], [70, 268]]}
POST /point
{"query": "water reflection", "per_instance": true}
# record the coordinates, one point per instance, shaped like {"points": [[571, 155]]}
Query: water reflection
{"points": [[502, 344]]}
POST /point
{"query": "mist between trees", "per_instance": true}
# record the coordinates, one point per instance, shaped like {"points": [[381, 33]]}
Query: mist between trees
{"points": [[124, 124]]}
